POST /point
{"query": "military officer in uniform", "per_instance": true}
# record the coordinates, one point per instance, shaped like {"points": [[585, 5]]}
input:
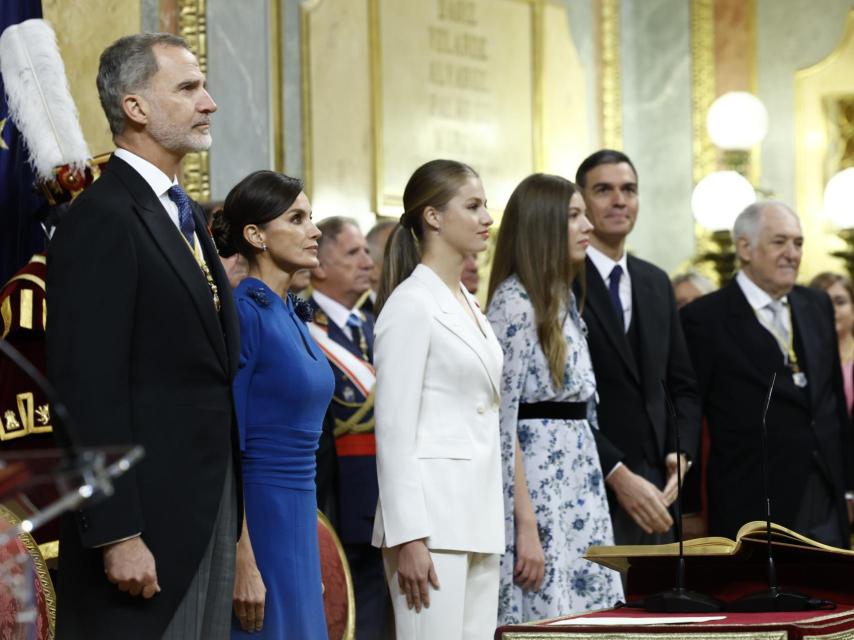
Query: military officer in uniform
{"points": [[347, 470]]}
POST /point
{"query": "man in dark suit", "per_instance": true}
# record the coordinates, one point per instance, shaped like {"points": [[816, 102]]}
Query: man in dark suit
{"points": [[758, 325], [142, 347], [636, 342], [347, 466]]}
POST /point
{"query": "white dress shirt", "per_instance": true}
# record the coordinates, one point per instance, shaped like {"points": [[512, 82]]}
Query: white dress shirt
{"points": [[759, 300], [336, 312], [604, 265]]}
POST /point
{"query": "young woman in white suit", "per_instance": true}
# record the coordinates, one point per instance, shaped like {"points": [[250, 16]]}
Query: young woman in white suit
{"points": [[440, 513]]}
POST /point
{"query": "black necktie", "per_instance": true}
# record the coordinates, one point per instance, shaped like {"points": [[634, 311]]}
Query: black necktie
{"points": [[614, 293]]}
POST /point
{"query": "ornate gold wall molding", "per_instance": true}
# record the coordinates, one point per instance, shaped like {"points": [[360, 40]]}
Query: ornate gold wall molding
{"points": [[702, 84], [611, 94], [192, 26], [376, 105]]}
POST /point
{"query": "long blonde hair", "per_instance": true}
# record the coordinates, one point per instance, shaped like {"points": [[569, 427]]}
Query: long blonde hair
{"points": [[433, 184], [532, 244]]}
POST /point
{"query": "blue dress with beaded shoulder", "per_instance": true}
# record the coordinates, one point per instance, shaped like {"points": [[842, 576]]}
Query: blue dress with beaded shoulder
{"points": [[282, 389]]}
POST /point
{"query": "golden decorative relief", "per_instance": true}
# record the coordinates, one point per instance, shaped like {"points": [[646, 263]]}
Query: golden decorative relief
{"points": [[43, 415], [611, 93], [824, 93], [40, 567], [305, 75], [702, 84], [6, 315], [192, 26], [12, 428], [28, 418], [3, 144], [26, 309], [839, 116]]}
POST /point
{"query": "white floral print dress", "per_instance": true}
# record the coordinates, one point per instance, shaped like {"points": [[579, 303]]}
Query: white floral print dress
{"points": [[561, 466]]}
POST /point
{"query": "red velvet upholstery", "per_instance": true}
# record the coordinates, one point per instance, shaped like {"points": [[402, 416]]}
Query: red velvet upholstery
{"points": [[792, 625], [338, 601], [16, 557]]}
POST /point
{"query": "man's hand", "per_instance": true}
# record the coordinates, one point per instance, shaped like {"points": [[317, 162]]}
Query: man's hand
{"points": [[530, 559], [669, 490], [641, 499], [130, 565], [415, 574]]}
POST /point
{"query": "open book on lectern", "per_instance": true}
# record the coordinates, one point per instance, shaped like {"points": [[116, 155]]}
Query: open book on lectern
{"points": [[750, 537]]}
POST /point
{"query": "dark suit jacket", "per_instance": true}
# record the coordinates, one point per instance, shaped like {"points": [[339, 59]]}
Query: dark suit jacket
{"points": [[139, 355], [633, 420], [734, 357], [347, 481]]}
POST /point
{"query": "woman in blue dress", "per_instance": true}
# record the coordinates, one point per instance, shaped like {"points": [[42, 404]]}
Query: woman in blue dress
{"points": [[282, 389], [555, 505]]}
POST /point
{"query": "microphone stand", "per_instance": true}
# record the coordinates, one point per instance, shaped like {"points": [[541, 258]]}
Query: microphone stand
{"points": [[679, 599], [773, 598]]}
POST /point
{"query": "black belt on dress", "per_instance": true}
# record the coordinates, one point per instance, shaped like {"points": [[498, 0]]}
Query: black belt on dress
{"points": [[552, 410]]}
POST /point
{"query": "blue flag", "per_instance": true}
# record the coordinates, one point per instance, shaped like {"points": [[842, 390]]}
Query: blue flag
{"points": [[20, 206]]}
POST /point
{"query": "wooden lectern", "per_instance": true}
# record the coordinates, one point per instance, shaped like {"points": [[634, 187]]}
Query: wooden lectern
{"points": [[725, 569]]}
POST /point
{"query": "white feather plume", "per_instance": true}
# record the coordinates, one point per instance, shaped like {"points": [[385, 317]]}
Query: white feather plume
{"points": [[40, 103]]}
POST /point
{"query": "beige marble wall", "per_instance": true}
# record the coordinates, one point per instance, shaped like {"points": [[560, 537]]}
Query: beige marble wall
{"points": [[657, 133], [83, 30]]}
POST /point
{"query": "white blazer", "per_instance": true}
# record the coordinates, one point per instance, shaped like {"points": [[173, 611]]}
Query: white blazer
{"points": [[436, 410]]}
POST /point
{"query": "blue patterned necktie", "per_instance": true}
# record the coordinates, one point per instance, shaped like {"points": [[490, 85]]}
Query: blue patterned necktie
{"points": [[614, 293], [355, 324], [185, 213]]}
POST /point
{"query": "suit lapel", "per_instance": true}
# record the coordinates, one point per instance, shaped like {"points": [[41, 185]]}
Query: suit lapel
{"points": [[647, 315], [804, 322], [598, 304], [758, 346], [228, 312], [175, 250], [453, 317]]}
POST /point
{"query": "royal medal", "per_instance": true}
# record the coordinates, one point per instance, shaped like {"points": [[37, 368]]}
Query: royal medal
{"points": [[799, 378]]}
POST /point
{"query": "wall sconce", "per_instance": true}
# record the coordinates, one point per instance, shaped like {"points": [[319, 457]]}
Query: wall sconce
{"points": [[839, 207], [716, 202], [737, 121]]}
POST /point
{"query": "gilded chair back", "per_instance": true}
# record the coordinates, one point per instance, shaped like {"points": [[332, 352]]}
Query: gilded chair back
{"points": [[339, 602]]}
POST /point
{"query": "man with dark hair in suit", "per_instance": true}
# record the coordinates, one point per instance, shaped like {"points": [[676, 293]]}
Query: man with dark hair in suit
{"points": [[347, 466], [142, 346], [758, 325], [636, 342]]}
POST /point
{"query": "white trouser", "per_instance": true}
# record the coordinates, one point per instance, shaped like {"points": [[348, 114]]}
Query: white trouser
{"points": [[465, 607]]}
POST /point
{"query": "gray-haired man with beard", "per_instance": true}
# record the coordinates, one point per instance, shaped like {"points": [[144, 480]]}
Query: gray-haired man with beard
{"points": [[142, 347]]}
